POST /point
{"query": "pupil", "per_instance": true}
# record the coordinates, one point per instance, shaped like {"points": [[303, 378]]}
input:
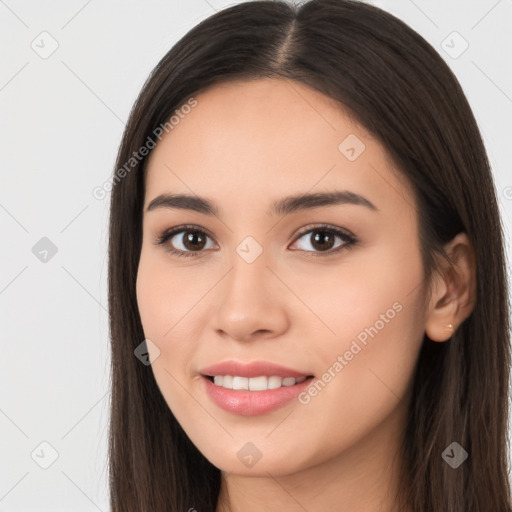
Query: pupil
{"points": [[192, 238], [325, 236]]}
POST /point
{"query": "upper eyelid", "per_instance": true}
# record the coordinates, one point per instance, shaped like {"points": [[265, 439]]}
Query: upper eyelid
{"points": [[169, 233], [307, 229]]}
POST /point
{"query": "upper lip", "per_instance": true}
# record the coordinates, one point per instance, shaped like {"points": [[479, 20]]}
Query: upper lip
{"points": [[251, 369]]}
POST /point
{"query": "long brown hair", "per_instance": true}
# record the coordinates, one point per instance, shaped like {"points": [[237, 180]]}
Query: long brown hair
{"points": [[396, 86]]}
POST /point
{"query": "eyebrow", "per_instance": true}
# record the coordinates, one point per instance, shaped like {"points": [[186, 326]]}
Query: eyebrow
{"points": [[281, 207]]}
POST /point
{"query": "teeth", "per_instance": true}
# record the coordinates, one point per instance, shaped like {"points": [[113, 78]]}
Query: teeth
{"points": [[258, 383], [240, 383], [274, 382], [255, 383]]}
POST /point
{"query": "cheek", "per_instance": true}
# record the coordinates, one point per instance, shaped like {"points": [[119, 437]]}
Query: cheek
{"points": [[166, 296], [165, 300], [366, 380], [373, 308], [151, 299], [173, 302], [163, 313], [366, 370], [380, 327], [364, 291]]}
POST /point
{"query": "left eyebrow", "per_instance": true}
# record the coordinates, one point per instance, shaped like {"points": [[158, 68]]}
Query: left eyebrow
{"points": [[307, 201], [281, 207]]}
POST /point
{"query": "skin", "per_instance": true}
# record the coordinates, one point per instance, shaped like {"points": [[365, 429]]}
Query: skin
{"points": [[244, 146]]}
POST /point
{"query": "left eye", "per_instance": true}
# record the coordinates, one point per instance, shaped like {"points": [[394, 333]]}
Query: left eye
{"points": [[323, 238]]}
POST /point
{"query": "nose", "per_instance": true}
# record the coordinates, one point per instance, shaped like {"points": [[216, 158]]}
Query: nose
{"points": [[251, 302]]}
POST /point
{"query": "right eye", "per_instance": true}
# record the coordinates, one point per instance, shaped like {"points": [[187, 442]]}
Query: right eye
{"points": [[185, 241]]}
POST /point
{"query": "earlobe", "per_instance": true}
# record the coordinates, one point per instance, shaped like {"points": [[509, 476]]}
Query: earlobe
{"points": [[454, 290], [439, 332]]}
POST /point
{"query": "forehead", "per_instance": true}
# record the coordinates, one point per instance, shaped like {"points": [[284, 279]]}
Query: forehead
{"points": [[264, 139]]}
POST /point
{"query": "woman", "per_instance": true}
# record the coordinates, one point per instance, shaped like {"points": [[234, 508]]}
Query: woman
{"points": [[308, 299]]}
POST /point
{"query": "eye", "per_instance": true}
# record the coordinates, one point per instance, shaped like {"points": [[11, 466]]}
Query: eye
{"points": [[184, 241], [189, 241], [322, 239]]}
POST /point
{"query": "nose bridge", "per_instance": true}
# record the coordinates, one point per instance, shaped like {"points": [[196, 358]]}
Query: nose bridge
{"points": [[249, 301], [248, 280]]}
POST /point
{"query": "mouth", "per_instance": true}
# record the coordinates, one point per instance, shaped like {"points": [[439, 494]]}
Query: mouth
{"points": [[260, 383], [253, 396], [253, 388]]}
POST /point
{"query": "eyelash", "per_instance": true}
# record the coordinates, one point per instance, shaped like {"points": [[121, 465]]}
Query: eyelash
{"points": [[347, 237]]}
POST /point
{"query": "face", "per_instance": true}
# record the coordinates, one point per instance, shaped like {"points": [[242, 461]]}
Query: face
{"points": [[330, 290]]}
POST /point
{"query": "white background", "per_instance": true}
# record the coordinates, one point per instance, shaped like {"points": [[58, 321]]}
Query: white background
{"points": [[61, 120]]}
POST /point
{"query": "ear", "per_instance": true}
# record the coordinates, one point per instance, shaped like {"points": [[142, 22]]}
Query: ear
{"points": [[453, 289]]}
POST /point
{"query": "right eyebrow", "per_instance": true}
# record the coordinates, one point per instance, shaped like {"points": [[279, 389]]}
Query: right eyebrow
{"points": [[184, 202]]}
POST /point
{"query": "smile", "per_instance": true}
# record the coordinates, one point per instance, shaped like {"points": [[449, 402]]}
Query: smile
{"points": [[253, 402], [261, 383]]}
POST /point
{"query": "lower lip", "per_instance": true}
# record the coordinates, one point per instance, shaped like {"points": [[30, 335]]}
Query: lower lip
{"points": [[252, 403]]}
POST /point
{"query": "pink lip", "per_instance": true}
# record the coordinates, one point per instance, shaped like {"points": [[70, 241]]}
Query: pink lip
{"points": [[254, 369], [252, 403]]}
